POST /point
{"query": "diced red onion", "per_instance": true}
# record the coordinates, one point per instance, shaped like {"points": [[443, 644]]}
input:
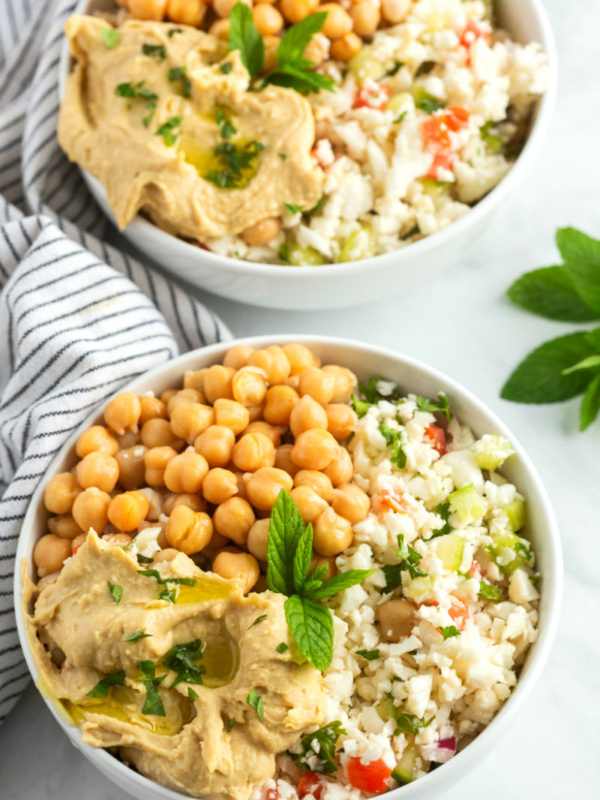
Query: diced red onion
{"points": [[441, 751]]}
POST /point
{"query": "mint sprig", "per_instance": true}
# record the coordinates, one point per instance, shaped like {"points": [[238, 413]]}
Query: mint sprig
{"points": [[569, 365], [289, 555]]}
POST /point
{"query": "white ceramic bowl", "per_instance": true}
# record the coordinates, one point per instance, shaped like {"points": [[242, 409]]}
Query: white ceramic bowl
{"points": [[412, 376], [338, 285]]}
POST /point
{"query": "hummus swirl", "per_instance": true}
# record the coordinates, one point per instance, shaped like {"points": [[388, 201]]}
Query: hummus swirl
{"points": [[208, 743], [116, 138]]}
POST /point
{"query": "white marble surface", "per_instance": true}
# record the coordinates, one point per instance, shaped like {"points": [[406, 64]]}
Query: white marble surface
{"points": [[463, 325]]}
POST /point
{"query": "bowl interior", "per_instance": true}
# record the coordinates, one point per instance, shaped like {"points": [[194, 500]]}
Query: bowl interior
{"points": [[412, 377]]}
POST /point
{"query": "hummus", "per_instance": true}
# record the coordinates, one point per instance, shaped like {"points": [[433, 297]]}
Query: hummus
{"points": [[146, 116], [214, 741]]}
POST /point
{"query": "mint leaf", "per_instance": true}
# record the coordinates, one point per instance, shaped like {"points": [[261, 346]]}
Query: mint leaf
{"points": [[102, 688], [110, 37], [115, 591], [591, 362], [370, 655], [257, 621], [137, 635], [302, 559], [300, 78], [441, 405], [540, 377], [297, 37], [550, 292], [590, 405], [449, 632], [581, 255], [326, 741], [255, 701], [244, 37], [338, 583], [311, 625], [285, 529], [489, 592]]}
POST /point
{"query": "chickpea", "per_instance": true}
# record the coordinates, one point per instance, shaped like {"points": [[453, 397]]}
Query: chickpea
{"points": [[50, 553], [217, 383], [158, 433], [234, 518], [185, 396], [216, 445], [272, 432], [317, 481], [258, 539], [223, 7], [310, 505], [283, 459], [219, 485], [341, 420], [161, 539], [187, 12], [90, 510], [168, 554], [296, 10], [263, 231], [188, 531], [151, 408], [345, 382], [332, 533], [241, 567], [253, 451], [395, 11], [237, 356], [189, 420], [240, 482], [185, 472], [279, 402], [193, 501], [268, 22], [273, 361], [255, 413], [318, 384], [318, 560], [96, 438], [123, 412], [194, 379], [64, 526], [148, 9], [98, 469], [156, 460], [264, 485], [128, 440], [396, 618], [249, 386], [350, 502], [231, 414], [220, 29], [60, 493], [293, 381], [117, 538], [315, 449], [155, 504], [306, 415], [299, 357], [167, 395], [365, 18], [345, 48], [341, 469], [337, 23], [132, 469], [216, 544]]}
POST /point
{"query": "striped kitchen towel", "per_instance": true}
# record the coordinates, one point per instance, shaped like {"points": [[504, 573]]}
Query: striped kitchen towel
{"points": [[78, 318]]}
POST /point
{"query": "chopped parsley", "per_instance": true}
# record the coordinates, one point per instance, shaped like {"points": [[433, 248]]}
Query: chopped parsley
{"points": [[255, 701], [293, 209], [226, 68], [144, 559], [394, 439], [449, 632], [443, 510], [173, 31], [410, 723], [167, 128], [489, 592], [409, 562], [110, 37], [147, 120], [168, 592], [370, 655], [230, 724], [426, 102], [182, 659], [400, 117], [179, 74], [282, 156], [135, 90], [153, 704], [192, 694], [234, 161], [225, 126], [441, 405], [257, 621], [115, 591], [155, 51], [326, 738], [281, 647], [102, 688], [137, 635], [395, 69]]}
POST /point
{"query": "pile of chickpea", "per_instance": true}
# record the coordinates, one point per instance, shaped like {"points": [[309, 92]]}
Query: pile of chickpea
{"points": [[206, 462], [341, 38]]}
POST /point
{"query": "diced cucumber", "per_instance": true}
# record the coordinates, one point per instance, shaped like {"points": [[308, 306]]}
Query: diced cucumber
{"points": [[515, 512], [299, 256], [406, 767], [492, 141], [491, 451], [418, 587], [400, 102], [467, 504], [450, 550], [435, 189], [360, 244], [386, 709], [365, 65], [503, 546]]}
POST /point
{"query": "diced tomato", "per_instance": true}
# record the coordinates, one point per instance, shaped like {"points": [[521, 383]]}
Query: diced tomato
{"points": [[75, 549], [372, 95], [371, 777], [457, 117], [435, 132], [437, 438], [472, 33], [390, 499], [310, 783], [436, 137], [441, 160], [474, 569], [459, 613]]}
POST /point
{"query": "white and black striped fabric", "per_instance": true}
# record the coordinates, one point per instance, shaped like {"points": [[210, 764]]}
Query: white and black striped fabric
{"points": [[78, 318]]}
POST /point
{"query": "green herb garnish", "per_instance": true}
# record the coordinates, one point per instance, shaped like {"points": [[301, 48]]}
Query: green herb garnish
{"points": [[192, 694], [226, 68], [326, 737], [243, 36], [282, 156], [410, 723], [293, 209], [182, 659], [167, 128], [400, 117], [155, 51], [409, 561], [173, 31], [493, 142], [255, 701], [441, 405], [115, 591], [443, 510], [489, 592], [102, 688], [289, 555], [110, 37], [137, 635], [370, 655], [281, 647], [234, 161], [426, 102], [153, 704], [257, 621], [230, 724], [449, 632], [179, 74], [394, 439]]}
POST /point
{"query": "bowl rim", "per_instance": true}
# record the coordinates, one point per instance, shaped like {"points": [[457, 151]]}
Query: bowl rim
{"points": [[141, 227], [553, 577]]}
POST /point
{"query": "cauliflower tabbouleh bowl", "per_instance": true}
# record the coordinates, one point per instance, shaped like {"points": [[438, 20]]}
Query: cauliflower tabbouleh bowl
{"points": [[269, 582], [298, 133]]}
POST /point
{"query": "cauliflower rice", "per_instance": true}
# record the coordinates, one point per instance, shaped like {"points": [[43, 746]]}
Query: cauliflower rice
{"points": [[452, 687]]}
